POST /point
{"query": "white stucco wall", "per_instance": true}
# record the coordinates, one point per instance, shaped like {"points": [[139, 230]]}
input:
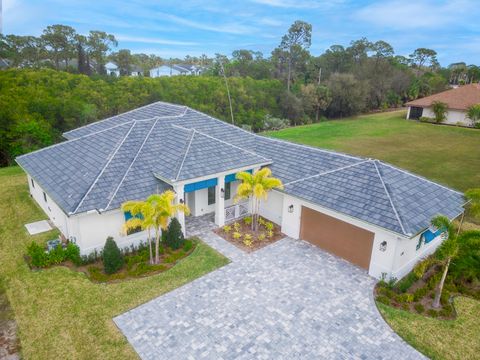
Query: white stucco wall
{"points": [[163, 70], [454, 117], [51, 209], [272, 209], [198, 200], [381, 262]]}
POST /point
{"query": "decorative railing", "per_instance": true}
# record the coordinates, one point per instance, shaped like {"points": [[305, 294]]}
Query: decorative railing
{"points": [[236, 211]]}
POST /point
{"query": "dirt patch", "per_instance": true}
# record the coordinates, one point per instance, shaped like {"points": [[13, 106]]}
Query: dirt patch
{"points": [[266, 234], [9, 343]]}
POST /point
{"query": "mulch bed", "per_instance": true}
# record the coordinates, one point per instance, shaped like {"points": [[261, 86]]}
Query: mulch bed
{"points": [[247, 229]]}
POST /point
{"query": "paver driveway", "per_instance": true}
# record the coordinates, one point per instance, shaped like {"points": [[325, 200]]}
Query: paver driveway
{"points": [[286, 301]]}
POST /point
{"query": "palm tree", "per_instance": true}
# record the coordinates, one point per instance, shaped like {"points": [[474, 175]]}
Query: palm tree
{"points": [[446, 252], [164, 208], [142, 216], [256, 187]]}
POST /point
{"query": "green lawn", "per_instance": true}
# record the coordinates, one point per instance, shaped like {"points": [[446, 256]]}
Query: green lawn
{"points": [[440, 339], [60, 313], [446, 154]]}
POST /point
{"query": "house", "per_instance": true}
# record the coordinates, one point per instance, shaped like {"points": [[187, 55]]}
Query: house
{"points": [[136, 70], [112, 69], [176, 69], [458, 101], [371, 213]]}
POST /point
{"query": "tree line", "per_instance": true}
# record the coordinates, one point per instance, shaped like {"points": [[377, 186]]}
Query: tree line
{"points": [[44, 93]]}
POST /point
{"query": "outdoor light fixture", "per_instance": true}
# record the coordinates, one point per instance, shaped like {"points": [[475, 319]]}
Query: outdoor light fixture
{"points": [[222, 193], [290, 209], [181, 201], [383, 246]]}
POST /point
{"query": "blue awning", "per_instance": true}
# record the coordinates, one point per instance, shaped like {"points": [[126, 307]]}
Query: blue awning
{"points": [[429, 235]]}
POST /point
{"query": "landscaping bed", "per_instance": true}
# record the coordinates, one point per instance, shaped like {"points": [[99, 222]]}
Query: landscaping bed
{"points": [[241, 234], [136, 260], [415, 293]]}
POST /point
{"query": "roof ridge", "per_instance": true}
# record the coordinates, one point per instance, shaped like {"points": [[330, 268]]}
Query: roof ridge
{"points": [[127, 112], [420, 177], [74, 139], [222, 141], [103, 169], [328, 172], [185, 154], [131, 164], [397, 215]]}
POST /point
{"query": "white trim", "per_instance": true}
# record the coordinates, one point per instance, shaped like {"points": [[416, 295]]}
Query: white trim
{"points": [[103, 169], [131, 164], [390, 199]]}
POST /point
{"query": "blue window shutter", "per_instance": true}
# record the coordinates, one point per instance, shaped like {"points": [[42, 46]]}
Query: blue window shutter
{"points": [[128, 215]]}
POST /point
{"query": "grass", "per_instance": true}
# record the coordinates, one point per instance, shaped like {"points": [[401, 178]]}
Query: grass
{"points": [[440, 339], [60, 313], [446, 154]]}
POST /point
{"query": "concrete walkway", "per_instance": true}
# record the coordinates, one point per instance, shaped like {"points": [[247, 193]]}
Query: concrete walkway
{"points": [[289, 300]]}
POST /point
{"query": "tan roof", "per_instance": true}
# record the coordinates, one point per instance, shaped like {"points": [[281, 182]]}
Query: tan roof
{"points": [[460, 98]]}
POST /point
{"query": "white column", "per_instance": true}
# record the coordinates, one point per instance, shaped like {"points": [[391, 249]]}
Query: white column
{"points": [[180, 198], [220, 201]]}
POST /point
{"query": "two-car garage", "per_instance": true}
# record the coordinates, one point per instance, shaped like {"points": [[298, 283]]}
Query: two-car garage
{"points": [[337, 237]]}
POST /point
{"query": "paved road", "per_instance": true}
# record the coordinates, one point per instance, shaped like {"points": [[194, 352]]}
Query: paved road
{"points": [[289, 300]]}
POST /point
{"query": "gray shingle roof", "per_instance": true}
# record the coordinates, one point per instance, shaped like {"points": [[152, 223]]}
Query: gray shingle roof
{"points": [[118, 159]]}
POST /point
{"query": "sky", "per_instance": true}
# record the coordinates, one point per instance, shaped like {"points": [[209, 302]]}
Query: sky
{"points": [[177, 28]]}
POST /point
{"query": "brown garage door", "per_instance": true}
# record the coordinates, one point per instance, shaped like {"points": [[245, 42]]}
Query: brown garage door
{"points": [[337, 237]]}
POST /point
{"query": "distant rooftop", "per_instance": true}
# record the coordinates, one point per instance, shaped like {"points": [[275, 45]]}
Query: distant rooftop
{"points": [[460, 98]]}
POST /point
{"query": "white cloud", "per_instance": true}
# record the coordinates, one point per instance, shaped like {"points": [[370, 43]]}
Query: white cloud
{"points": [[399, 14], [270, 22], [146, 40]]}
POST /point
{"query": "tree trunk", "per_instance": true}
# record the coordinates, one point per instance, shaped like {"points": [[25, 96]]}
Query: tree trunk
{"points": [[317, 114], [157, 245], [289, 73], [439, 289], [150, 246]]}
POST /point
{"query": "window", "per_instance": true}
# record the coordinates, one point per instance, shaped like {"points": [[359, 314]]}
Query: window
{"points": [[44, 196], [211, 195], [420, 242], [415, 112], [33, 183], [128, 215], [228, 190]]}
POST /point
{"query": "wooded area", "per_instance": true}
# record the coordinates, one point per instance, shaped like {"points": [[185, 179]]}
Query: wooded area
{"points": [[57, 82]]}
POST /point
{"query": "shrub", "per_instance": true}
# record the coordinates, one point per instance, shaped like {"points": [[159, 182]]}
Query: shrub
{"points": [[270, 233], [420, 293], [274, 123], [227, 229], [404, 298], [174, 238], [56, 255], [248, 220], [425, 119], [261, 237], [247, 240], [38, 256], [261, 221], [419, 308], [236, 226], [383, 291], [432, 313], [440, 110], [237, 235], [72, 253], [383, 299], [112, 257], [473, 113], [188, 245], [405, 284], [269, 226]]}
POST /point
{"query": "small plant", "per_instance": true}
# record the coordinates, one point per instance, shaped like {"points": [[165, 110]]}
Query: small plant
{"points": [[269, 226], [261, 237], [236, 226], [261, 221], [419, 308], [270, 233], [188, 245], [227, 229], [432, 313], [440, 110], [112, 257], [383, 299], [38, 256], [247, 240], [420, 293], [236, 235], [473, 113], [248, 220], [72, 253], [405, 298]]}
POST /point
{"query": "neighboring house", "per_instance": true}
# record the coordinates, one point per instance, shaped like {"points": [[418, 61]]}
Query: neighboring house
{"points": [[4, 64], [112, 69], [136, 70], [458, 101], [372, 214], [176, 69]]}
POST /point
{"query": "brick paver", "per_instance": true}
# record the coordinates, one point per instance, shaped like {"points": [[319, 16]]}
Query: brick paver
{"points": [[289, 300]]}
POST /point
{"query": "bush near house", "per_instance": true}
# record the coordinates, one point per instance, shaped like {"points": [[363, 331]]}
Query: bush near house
{"points": [[112, 257], [37, 257], [174, 236], [440, 110]]}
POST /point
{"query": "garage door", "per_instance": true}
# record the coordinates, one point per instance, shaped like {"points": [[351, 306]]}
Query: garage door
{"points": [[337, 237]]}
